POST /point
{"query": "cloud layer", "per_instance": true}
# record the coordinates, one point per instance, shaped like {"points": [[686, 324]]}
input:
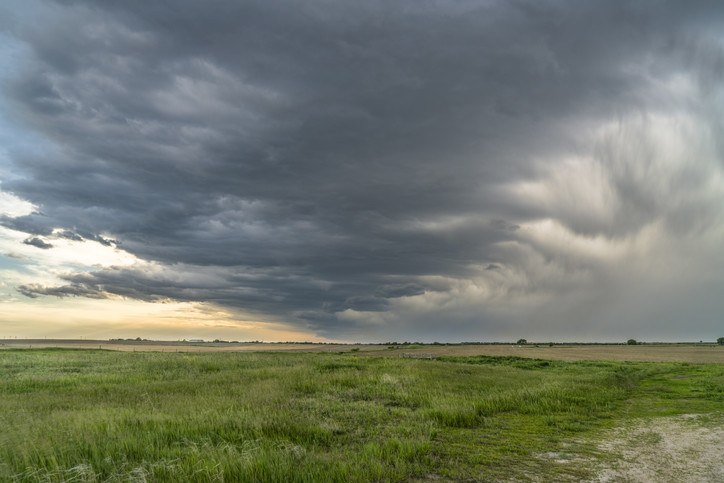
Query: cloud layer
{"points": [[374, 170]]}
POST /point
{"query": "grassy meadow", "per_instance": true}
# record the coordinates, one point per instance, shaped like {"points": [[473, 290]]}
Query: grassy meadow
{"points": [[96, 415]]}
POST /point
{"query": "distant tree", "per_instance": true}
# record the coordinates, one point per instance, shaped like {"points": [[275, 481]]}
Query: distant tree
{"points": [[522, 342], [720, 341], [631, 342]]}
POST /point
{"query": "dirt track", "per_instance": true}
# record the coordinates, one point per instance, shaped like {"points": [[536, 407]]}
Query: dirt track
{"points": [[693, 353]]}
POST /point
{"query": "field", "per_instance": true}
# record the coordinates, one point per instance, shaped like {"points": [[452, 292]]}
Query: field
{"points": [[692, 353], [234, 415]]}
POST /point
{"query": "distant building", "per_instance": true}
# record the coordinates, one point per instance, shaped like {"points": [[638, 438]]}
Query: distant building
{"points": [[196, 340]]}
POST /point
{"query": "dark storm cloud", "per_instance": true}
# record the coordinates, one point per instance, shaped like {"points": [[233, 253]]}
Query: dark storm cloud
{"points": [[36, 224], [306, 159], [37, 242], [69, 235], [35, 290]]}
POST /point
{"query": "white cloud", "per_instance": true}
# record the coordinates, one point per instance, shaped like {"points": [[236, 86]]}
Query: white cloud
{"points": [[11, 205]]}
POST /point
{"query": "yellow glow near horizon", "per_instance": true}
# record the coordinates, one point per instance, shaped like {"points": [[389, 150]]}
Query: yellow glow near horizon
{"points": [[105, 319]]}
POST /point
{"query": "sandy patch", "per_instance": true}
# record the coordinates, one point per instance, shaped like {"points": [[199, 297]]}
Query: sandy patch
{"points": [[674, 449]]}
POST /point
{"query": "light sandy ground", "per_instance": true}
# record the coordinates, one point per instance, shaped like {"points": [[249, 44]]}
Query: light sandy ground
{"points": [[674, 449], [687, 448], [692, 353]]}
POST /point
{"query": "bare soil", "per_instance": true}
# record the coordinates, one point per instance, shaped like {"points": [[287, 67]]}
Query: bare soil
{"points": [[673, 449]]}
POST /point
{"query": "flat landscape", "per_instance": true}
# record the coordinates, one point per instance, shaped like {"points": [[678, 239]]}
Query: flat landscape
{"points": [[536, 185], [340, 413], [692, 353]]}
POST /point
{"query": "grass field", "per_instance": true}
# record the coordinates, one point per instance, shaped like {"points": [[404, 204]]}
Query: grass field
{"points": [[98, 415]]}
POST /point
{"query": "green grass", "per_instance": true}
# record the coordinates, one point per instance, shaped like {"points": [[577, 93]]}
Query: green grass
{"points": [[86, 415]]}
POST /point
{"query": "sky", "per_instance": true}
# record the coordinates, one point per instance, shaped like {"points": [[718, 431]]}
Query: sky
{"points": [[373, 171]]}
